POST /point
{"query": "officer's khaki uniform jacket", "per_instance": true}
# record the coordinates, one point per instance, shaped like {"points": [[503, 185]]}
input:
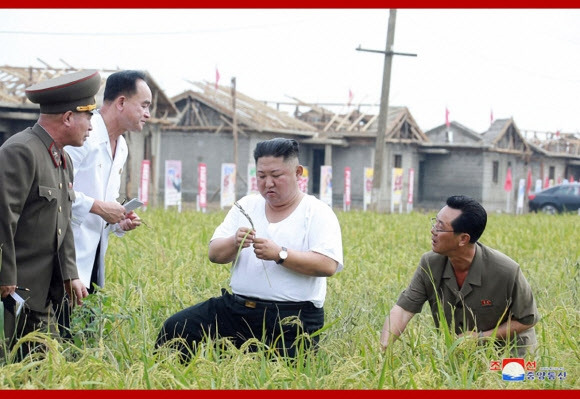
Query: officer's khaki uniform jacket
{"points": [[36, 197]]}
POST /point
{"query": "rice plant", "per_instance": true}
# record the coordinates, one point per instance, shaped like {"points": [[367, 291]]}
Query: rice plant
{"points": [[163, 267]]}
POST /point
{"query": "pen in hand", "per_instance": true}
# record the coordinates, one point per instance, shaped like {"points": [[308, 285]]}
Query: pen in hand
{"points": [[23, 289]]}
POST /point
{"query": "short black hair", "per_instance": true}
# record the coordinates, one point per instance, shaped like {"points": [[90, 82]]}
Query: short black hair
{"points": [[277, 147], [473, 217], [122, 83]]}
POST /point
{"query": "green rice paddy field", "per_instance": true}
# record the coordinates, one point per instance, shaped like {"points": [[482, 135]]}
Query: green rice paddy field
{"points": [[163, 267]]}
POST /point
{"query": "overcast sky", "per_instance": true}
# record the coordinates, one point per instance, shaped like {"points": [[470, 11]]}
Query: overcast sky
{"points": [[515, 63]]}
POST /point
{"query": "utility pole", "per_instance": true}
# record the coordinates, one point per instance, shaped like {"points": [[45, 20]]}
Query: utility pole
{"points": [[379, 190]]}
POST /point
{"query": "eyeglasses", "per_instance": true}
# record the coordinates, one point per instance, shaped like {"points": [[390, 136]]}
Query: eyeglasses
{"points": [[436, 226]]}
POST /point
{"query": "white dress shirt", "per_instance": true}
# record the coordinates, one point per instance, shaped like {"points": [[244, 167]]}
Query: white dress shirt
{"points": [[97, 175]]}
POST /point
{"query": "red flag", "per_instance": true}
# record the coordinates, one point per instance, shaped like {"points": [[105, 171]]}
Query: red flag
{"points": [[217, 78], [508, 180], [491, 116], [529, 182], [350, 97], [447, 117]]}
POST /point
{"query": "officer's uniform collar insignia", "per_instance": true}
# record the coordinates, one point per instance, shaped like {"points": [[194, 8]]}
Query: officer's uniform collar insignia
{"points": [[57, 156]]}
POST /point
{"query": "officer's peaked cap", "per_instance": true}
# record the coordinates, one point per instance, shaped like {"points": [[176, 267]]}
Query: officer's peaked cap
{"points": [[71, 92]]}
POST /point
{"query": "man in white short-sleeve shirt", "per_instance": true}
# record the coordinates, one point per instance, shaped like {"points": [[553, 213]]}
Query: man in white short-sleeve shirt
{"points": [[290, 243]]}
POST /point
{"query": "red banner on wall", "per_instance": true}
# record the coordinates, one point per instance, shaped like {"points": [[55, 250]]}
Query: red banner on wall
{"points": [[202, 185], [144, 182], [508, 180], [411, 185], [347, 188]]}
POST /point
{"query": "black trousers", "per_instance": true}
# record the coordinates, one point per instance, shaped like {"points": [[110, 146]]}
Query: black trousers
{"points": [[239, 319], [16, 327], [63, 310], [95, 271]]}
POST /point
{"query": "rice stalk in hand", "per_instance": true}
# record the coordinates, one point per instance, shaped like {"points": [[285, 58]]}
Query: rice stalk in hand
{"points": [[244, 239], [245, 214]]}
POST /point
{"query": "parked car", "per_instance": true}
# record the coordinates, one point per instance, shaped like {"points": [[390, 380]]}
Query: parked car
{"points": [[556, 199]]}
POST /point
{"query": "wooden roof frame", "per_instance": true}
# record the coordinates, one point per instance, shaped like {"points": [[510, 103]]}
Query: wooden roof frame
{"points": [[15, 80]]}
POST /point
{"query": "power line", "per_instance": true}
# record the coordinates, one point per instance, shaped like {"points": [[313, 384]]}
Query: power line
{"points": [[158, 33]]}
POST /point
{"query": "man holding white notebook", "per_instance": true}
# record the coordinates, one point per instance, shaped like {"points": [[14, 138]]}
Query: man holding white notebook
{"points": [[98, 167]]}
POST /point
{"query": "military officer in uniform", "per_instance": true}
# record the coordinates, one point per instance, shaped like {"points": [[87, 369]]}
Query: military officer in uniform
{"points": [[36, 176]]}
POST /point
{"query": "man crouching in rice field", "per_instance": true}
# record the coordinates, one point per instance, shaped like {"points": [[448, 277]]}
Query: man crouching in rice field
{"points": [[283, 244], [481, 291]]}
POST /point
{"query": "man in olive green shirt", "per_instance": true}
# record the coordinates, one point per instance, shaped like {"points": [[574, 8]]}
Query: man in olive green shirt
{"points": [[481, 291]]}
